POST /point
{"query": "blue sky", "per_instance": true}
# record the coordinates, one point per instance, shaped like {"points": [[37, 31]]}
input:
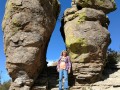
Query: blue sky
{"points": [[56, 44]]}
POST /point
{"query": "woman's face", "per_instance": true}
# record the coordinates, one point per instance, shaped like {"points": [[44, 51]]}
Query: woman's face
{"points": [[64, 53]]}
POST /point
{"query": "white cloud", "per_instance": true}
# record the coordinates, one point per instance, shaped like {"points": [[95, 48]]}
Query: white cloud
{"points": [[50, 62]]}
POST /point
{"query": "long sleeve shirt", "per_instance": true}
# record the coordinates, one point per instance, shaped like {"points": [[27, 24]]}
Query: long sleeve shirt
{"points": [[67, 63]]}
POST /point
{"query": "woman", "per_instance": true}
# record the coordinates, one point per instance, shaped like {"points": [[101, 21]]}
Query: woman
{"points": [[63, 67]]}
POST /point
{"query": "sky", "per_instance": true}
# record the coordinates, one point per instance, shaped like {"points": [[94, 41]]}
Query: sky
{"points": [[56, 44]]}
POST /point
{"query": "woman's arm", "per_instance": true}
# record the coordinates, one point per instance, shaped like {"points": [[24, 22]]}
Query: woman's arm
{"points": [[69, 63], [58, 64]]}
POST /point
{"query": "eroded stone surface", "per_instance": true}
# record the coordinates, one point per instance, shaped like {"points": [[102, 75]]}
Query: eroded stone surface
{"points": [[84, 29], [27, 26], [104, 5], [110, 81]]}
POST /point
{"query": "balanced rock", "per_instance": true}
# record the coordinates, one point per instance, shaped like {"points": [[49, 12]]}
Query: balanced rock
{"points": [[104, 5], [84, 30]]}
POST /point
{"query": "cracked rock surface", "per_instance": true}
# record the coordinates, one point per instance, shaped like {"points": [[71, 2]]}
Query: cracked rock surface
{"points": [[27, 27]]}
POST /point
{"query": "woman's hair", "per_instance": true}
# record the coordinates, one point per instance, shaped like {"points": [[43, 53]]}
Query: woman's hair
{"points": [[65, 52]]}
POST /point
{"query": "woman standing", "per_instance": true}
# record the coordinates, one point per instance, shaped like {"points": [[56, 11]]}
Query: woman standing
{"points": [[64, 67]]}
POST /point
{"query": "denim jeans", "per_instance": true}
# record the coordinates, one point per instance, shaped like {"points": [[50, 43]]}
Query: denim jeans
{"points": [[64, 73]]}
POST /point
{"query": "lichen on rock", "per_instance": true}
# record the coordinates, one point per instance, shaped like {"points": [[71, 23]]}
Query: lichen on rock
{"points": [[84, 30], [105, 5], [27, 27]]}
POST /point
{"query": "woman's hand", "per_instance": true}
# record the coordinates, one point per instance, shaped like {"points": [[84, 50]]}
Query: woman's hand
{"points": [[57, 70], [68, 70]]}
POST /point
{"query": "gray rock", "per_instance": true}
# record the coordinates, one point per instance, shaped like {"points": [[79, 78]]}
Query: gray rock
{"points": [[104, 5], [27, 26], [84, 30]]}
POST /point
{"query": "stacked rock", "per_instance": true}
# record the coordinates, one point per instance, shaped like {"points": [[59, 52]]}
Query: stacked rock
{"points": [[27, 27], [84, 28]]}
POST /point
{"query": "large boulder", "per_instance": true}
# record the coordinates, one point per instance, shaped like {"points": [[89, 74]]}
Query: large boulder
{"points": [[27, 27], [104, 5], [84, 30]]}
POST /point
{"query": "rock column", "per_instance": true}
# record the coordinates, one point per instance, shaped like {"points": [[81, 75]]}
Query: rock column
{"points": [[27, 27], [85, 32]]}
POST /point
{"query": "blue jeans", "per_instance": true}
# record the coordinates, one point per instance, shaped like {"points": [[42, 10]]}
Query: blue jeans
{"points": [[64, 73]]}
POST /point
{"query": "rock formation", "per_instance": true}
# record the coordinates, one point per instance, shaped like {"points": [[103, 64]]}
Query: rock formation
{"points": [[84, 29], [110, 80], [27, 26]]}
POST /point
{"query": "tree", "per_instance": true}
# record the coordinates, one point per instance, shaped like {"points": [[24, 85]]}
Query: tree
{"points": [[112, 56]]}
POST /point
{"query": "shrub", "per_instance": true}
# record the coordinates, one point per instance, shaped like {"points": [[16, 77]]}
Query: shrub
{"points": [[5, 85], [118, 57], [112, 56]]}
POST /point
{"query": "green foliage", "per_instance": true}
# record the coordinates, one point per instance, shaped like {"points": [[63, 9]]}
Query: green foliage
{"points": [[118, 57], [112, 56], [5, 85]]}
